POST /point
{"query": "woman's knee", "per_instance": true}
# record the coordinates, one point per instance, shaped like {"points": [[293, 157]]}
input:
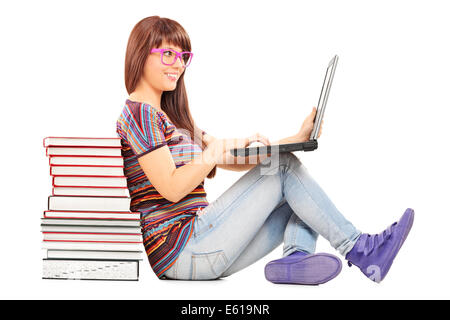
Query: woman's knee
{"points": [[276, 161]]}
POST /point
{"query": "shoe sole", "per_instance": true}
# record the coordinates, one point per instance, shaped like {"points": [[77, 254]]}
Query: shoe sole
{"points": [[313, 269], [409, 215]]}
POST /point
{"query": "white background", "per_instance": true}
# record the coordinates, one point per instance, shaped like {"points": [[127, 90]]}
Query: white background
{"points": [[258, 67]]}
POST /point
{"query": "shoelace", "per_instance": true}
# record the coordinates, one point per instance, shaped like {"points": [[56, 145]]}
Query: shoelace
{"points": [[369, 242]]}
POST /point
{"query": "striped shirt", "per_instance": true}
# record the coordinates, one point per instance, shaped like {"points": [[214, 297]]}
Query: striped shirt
{"points": [[166, 226]]}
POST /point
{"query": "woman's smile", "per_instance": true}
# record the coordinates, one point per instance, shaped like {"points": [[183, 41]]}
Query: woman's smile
{"points": [[172, 76]]}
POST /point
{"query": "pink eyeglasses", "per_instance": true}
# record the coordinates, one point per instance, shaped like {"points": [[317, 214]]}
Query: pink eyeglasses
{"points": [[169, 56]]}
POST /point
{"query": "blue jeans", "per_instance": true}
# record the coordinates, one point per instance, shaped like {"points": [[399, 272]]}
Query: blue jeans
{"points": [[265, 207]]}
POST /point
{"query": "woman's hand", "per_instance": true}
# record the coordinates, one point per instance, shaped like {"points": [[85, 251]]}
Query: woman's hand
{"points": [[220, 148], [308, 124]]}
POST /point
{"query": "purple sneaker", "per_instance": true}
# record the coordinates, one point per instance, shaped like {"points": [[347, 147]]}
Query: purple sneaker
{"points": [[303, 268], [374, 254]]}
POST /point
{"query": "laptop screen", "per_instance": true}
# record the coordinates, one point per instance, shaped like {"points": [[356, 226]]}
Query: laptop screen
{"points": [[323, 97]]}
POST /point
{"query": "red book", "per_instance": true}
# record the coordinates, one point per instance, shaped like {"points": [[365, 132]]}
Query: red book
{"points": [[87, 222], [68, 214], [92, 237], [92, 181], [81, 142], [83, 151], [86, 160], [91, 191], [79, 146], [86, 170]]}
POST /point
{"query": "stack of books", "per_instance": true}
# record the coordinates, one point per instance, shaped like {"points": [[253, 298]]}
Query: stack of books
{"points": [[88, 230]]}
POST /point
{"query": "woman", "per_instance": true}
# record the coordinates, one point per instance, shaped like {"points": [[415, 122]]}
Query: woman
{"points": [[167, 158]]}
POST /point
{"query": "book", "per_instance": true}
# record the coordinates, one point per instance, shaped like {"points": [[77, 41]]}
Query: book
{"points": [[91, 236], [70, 214], [91, 191], [90, 269], [101, 182], [85, 170], [90, 222], [70, 203], [101, 246], [90, 228], [86, 160], [79, 141], [84, 151], [95, 255]]}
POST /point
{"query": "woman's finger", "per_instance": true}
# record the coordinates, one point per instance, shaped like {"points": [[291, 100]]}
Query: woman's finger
{"points": [[260, 138], [312, 115], [264, 140], [320, 131]]}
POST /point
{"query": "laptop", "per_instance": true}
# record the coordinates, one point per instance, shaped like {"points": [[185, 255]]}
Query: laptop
{"points": [[301, 146]]}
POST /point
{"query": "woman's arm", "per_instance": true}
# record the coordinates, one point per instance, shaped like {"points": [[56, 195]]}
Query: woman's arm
{"points": [[171, 182], [251, 160], [301, 136], [291, 139], [175, 183]]}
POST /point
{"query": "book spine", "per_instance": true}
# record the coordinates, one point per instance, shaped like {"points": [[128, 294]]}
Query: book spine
{"points": [[85, 151], [92, 203], [79, 176], [93, 217], [85, 165], [71, 186], [83, 156], [92, 211], [81, 146], [90, 241], [79, 138]]}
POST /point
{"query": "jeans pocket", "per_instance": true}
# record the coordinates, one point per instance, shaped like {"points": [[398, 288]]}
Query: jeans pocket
{"points": [[208, 266]]}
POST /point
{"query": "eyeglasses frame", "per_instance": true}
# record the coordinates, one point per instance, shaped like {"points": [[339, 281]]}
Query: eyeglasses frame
{"points": [[178, 55]]}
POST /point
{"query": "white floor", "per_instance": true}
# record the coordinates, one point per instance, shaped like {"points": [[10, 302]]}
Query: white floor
{"points": [[409, 278]]}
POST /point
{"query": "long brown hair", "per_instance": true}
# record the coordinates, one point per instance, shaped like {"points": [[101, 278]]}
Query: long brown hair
{"points": [[149, 33]]}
